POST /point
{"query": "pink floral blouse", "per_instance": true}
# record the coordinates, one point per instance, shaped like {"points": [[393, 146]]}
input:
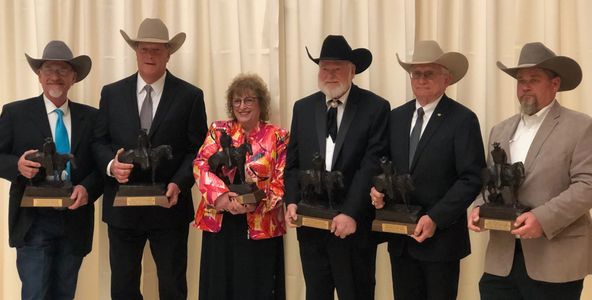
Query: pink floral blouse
{"points": [[265, 167]]}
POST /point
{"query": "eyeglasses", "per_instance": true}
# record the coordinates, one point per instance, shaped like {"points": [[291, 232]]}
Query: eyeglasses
{"points": [[427, 75], [248, 101], [58, 71]]}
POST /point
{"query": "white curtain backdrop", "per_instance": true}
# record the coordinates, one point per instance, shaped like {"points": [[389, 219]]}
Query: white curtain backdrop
{"points": [[268, 37]]}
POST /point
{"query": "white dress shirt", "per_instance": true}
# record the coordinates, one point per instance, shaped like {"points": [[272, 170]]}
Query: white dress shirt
{"points": [[330, 145], [527, 128], [428, 110]]}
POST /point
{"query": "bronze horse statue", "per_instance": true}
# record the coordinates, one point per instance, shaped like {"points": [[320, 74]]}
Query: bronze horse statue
{"points": [[53, 162], [502, 180], [146, 156], [230, 157], [395, 187], [317, 183]]}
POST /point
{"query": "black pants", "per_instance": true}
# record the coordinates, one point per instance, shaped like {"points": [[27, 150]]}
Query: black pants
{"points": [[169, 250], [517, 285], [234, 267], [330, 263], [414, 279]]}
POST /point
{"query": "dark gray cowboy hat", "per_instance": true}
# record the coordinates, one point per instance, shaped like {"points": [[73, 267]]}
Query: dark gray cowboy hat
{"points": [[538, 55], [429, 52], [154, 31], [335, 47], [59, 51]]}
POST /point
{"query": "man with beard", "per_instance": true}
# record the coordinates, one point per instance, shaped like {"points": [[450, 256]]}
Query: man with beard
{"points": [[550, 252], [346, 125], [438, 142], [50, 243], [172, 112]]}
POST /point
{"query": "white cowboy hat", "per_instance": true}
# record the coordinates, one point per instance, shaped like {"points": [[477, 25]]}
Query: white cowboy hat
{"points": [[154, 31], [429, 52]]}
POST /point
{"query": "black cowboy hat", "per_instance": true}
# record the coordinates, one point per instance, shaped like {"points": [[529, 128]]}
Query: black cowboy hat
{"points": [[335, 47]]}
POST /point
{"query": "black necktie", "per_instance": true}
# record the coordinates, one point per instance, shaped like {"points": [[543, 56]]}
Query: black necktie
{"points": [[332, 118], [415, 135]]}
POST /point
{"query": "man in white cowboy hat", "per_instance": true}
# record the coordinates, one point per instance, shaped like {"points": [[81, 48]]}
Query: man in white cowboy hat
{"points": [[550, 253], [172, 112], [438, 142], [50, 243], [346, 125]]}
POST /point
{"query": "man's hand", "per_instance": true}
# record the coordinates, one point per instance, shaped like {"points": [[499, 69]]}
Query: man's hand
{"points": [[527, 226], [121, 171], [291, 215], [26, 167], [80, 197], [343, 225], [377, 198], [472, 220], [425, 229], [172, 194]]}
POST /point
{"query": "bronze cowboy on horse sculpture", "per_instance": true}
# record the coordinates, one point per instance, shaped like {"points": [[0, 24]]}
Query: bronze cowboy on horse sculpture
{"points": [[146, 156], [53, 162]]}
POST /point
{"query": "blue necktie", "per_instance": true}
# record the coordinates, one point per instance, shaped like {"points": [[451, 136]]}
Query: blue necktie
{"points": [[61, 137]]}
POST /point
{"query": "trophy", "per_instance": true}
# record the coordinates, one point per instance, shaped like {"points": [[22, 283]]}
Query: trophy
{"points": [[146, 157], [53, 190], [500, 192], [320, 192], [230, 157], [397, 215]]}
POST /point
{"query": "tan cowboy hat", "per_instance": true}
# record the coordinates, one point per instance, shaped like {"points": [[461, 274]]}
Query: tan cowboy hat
{"points": [[538, 55], [59, 51], [429, 52], [335, 47], [154, 31]]}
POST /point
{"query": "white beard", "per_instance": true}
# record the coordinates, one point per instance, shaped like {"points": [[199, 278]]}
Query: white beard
{"points": [[528, 105], [55, 92], [333, 93]]}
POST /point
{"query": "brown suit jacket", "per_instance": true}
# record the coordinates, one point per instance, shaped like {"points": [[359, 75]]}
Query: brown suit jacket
{"points": [[558, 186]]}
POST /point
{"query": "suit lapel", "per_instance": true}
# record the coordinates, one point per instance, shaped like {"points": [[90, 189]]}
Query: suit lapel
{"points": [[348, 116], [406, 129], [131, 100], [438, 116], [549, 123], [321, 123], [505, 137], [168, 95], [78, 125], [38, 117]]}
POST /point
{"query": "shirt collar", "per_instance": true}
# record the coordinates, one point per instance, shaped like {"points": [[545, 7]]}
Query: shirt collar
{"points": [[538, 117], [430, 107], [157, 86], [50, 107]]}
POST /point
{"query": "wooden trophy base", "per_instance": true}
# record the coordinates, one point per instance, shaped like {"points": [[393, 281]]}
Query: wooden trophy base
{"points": [[248, 193], [397, 218], [141, 195], [315, 217], [498, 217], [47, 195]]}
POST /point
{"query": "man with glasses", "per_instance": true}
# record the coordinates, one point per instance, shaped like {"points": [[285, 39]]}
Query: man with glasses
{"points": [[438, 142], [172, 112], [50, 243]]}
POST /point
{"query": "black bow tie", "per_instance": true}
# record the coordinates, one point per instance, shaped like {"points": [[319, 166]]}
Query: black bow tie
{"points": [[332, 118]]}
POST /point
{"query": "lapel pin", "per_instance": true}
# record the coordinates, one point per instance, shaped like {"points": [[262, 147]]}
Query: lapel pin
{"points": [[439, 114]]}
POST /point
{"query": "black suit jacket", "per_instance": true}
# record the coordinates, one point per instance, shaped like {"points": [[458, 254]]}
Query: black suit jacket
{"points": [[361, 140], [180, 121], [24, 126], [446, 172]]}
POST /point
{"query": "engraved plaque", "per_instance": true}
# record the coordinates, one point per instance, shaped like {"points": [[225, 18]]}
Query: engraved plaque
{"points": [[313, 222], [496, 224]]}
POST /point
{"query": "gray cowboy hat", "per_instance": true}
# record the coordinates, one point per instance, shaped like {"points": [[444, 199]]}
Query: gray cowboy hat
{"points": [[154, 31], [335, 47], [538, 55], [59, 51], [429, 52]]}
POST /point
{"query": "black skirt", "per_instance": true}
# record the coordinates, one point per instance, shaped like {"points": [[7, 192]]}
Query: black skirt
{"points": [[236, 267]]}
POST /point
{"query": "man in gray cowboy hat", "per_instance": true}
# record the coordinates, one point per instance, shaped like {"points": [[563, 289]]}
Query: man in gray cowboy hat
{"points": [[438, 142], [172, 111], [550, 253], [346, 125], [50, 243]]}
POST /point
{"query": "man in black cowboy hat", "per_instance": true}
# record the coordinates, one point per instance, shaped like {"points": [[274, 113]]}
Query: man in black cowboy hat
{"points": [[172, 111], [351, 138], [438, 142], [550, 252], [50, 243]]}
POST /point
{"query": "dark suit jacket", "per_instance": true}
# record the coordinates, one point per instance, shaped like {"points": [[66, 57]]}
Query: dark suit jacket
{"points": [[446, 172], [361, 140], [24, 126], [180, 121]]}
